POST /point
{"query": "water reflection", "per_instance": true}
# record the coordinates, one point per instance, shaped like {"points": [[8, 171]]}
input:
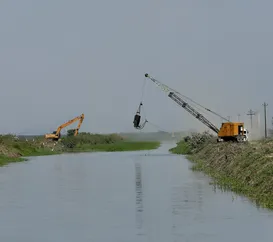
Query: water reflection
{"points": [[186, 198], [139, 196], [187, 208]]}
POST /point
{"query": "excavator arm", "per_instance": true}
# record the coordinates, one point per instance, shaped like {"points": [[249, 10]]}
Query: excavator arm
{"points": [[56, 134], [176, 97], [79, 125]]}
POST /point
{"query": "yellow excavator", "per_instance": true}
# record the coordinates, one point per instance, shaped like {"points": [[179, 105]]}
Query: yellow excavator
{"points": [[56, 135]]}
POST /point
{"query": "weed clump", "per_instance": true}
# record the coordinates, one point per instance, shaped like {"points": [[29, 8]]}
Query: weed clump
{"points": [[193, 143]]}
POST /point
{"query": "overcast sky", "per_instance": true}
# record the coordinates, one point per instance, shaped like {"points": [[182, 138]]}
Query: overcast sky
{"points": [[61, 58]]}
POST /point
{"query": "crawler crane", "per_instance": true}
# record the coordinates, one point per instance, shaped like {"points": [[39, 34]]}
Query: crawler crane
{"points": [[56, 135], [229, 131]]}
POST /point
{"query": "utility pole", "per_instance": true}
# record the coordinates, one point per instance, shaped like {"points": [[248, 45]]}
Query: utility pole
{"points": [[265, 128], [238, 117], [251, 113]]}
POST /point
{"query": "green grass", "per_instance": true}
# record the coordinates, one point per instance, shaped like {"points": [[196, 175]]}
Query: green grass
{"points": [[13, 150], [95, 142], [4, 160], [182, 148], [29, 149]]}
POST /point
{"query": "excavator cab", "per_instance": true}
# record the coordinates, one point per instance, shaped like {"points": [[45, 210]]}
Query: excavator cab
{"points": [[58, 136], [53, 136]]}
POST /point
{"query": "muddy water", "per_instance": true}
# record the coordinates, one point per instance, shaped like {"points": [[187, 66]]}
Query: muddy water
{"points": [[122, 197]]}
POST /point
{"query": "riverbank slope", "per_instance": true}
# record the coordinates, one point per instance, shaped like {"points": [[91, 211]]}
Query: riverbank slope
{"points": [[245, 168], [13, 149]]}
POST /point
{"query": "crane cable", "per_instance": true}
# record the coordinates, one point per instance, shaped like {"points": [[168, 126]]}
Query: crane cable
{"points": [[203, 107], [143, 89], [140, 109], [166, 89]]}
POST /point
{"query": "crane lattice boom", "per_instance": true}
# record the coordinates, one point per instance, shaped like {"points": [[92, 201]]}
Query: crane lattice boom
{"points": [[192, 111], [175, 96]]}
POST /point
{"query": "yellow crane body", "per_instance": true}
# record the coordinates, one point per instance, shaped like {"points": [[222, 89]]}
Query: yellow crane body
{"points": [[232, 131]]}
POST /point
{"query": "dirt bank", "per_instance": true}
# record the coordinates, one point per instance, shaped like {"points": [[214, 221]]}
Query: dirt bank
{"points": [[245, 168]]}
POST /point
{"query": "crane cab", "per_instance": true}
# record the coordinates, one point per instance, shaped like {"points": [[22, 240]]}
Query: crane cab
{"points": [[231, 131]]}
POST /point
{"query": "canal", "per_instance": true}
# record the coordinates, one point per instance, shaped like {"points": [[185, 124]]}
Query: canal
{"points": [[146, 196]]}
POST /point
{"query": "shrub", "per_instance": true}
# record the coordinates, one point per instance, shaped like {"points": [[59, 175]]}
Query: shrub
{"points": [[90, 139]]}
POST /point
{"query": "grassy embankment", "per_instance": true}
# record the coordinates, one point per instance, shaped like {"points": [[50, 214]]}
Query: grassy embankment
{"points": [[245, 168], [13, 150], [113, 142]]}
